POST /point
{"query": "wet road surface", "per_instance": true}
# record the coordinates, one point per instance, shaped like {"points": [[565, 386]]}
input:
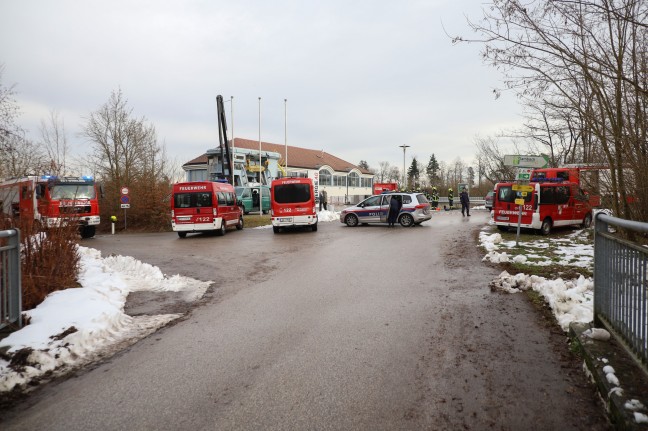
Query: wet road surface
{"points": [[366, 328]]}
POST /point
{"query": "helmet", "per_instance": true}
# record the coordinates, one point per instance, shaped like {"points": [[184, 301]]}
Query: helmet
{"points": [[433, 188], [450, 189]]}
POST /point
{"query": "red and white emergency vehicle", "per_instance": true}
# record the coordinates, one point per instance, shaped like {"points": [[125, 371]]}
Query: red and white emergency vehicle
{"points": [[204, 206], [50, 201], [378, 188], [555, 199], [293, 203]]}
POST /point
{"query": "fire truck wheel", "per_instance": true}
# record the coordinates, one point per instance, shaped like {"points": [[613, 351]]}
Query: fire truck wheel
{"points": [[502, 228], [545, 229], [351, 220], [87, 231], [275, 229], [182, 234], [239, 226], [587, 221], [223, 230], [314, 227]]}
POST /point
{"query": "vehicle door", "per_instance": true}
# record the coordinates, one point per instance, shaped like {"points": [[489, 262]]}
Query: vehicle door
{"points": [[369, 211], [580, 203], [565, 203], [384, 207], [265, 199]]}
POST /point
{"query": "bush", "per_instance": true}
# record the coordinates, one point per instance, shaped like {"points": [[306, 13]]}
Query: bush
{"points": [[49, 260]]}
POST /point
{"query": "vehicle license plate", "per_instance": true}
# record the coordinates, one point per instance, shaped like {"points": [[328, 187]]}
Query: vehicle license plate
{"points": [[285, 219]]}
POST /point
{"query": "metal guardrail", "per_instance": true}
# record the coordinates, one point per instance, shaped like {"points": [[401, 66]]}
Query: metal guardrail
{"points": [[621, 284], [10, 284]]}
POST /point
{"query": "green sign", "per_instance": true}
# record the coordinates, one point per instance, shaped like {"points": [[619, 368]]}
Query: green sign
{"points": [[527, 161]]}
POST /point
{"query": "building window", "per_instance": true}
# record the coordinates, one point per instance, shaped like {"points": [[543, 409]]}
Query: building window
{"points": [[298, 174], [197, 175], [325, 178], [339, 180], [366, 182], [354, 180]]}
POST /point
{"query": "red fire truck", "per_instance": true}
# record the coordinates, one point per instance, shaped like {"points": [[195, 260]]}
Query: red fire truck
{"points": [[378, 188], [50, 200], [552, 198]]}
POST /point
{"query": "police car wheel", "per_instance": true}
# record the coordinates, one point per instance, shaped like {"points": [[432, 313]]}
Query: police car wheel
{"points": [[351, 220], [406, 220]]}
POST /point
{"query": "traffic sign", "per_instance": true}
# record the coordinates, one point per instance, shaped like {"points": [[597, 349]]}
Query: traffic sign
{"points": [[125, 206], [124, 190], [522, 188], [523, 174], [519, 201], [527, 161], [124, 199]]}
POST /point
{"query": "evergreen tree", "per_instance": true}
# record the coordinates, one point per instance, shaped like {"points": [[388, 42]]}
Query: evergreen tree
{"points": [[363, 165], [432, 170], [413, 174]]}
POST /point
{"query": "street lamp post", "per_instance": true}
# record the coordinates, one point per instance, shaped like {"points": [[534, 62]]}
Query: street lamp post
{"points": [[404, 147]]}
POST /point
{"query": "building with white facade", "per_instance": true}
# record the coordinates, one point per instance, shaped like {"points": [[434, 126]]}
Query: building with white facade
{"points": [[343, 181]]}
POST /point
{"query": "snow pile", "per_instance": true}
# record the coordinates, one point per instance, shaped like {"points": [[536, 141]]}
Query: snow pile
{"points": [[75, 326], [328, 215], [570, 301], [635, 406], [597, 334]]}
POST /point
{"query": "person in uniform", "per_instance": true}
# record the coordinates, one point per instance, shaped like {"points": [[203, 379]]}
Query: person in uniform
{"points": [[435, 198], [450, 198], [465, 202]]}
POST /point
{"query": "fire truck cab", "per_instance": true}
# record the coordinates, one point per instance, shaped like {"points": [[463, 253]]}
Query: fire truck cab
{"points": [[556, 199], [204, 206], [51, 201]]}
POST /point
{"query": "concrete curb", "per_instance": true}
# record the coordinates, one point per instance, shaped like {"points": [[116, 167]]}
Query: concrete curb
{"points": [[632, 379]]}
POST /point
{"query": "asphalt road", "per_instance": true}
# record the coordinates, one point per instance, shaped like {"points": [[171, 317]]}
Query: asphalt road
{"points": [[365, 328]]}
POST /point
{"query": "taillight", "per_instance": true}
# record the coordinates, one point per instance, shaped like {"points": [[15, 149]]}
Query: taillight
{"points": [[172, 213], [215, 212], [421, 206]]}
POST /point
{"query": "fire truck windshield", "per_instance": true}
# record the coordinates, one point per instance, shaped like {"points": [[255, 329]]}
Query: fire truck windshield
{"points": [[72, 191], [507, 194]]}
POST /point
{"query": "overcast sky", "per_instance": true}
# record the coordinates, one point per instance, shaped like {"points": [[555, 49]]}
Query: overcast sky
{"points": [[361, 77]]}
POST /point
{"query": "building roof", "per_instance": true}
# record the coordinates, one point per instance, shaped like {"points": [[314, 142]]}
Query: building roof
{"points": [[297, 157]]}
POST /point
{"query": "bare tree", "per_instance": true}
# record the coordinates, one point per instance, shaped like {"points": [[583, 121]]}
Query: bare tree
{"points": [[383, 171], [584, 60], [55, 143], [491, 159], [126, 153]]}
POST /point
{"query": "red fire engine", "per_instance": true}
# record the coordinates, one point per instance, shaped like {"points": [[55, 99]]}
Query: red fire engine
{"points": [[49, 201], [552, 198], [378, 188]]}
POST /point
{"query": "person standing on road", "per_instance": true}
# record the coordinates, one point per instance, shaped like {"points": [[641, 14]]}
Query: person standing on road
{"points": [[435, 198], [324, 199], [450, 198], [395, 205], [465, 202]]}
